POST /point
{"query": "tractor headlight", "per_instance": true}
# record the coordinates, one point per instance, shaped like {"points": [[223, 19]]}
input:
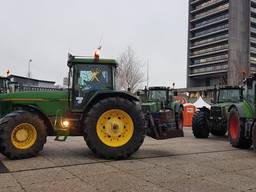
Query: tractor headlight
{"points": [[65, 124]]}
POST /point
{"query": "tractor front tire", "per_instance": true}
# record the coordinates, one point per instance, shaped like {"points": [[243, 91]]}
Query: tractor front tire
{"points": [[22, 135], [114, 128], [236, 131], [200, 125]]}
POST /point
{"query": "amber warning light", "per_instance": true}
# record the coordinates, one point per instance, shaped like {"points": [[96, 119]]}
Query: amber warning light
{"points": [[97, 53]]}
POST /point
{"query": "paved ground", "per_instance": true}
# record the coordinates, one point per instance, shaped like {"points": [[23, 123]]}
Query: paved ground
{"points": [[182, 164]]}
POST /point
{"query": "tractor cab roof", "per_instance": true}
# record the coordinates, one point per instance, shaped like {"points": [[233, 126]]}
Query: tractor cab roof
{"points": [[73, 60], [158, 88]]}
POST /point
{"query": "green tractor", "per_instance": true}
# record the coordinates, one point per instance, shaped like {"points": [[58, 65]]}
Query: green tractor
{"points": [[214, 120], [164, 115], [242, 118], [111, 122]]}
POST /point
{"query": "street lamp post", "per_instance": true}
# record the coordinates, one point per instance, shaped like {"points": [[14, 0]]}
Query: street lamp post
{"points": [[29, 73]]}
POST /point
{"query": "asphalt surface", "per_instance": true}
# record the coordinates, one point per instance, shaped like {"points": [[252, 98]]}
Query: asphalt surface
{"points": [[180, 164]]}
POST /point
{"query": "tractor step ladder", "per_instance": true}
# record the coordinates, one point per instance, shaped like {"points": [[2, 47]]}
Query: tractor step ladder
{"points": [[61, 138]]}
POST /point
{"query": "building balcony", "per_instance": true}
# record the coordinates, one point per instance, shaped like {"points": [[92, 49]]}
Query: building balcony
{"points": [[196, 2], [210, 14], [208, 73], [210, 43], [253, 40], [253, 20], [253, 62], [209, 53], [253, 30], [209, 63], [253, 50], [253, 10], [208, 5], [209, 24], [209, 34]]}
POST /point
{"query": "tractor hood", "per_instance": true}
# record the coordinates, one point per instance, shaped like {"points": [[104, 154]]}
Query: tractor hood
{"points": [[48, 102], [34, 96]]}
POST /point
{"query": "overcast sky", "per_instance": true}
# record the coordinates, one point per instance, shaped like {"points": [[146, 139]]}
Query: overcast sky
{"points": [[46, 30]]}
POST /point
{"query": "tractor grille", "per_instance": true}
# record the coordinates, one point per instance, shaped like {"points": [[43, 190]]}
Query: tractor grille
{"points": [[216, 111]]}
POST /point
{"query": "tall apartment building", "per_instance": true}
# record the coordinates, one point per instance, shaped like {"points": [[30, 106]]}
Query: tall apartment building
{"points": [[221, 42]]}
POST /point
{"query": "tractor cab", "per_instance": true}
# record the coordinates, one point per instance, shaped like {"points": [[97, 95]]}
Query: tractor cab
{"points": [[250, 90], [161, 95], [88, 76], [230, 94]]}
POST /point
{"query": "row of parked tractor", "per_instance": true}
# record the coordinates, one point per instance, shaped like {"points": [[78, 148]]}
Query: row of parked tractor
{"points": [[234, 112], [114, 123]]}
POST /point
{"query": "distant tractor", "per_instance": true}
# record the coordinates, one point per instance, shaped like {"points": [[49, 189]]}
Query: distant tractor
{"points": [[214, 120], [111, 122], [164, 115]]}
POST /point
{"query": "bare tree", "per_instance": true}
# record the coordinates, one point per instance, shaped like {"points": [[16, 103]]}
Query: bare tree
{"points": [[129, 71]]}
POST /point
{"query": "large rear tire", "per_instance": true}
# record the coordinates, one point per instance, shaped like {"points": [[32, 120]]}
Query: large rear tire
{"points": [[236, 131], [200, 125], [114, 128], [22, 135]]}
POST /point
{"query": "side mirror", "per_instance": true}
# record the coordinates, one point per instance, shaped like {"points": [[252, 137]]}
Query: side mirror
{"points": [[70, 60]]}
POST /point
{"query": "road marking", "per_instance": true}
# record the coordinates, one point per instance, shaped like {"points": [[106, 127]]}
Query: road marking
{"points": [[3, 168]]}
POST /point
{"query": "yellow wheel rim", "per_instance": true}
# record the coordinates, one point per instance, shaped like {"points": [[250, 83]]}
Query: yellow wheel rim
{"points": [[24, 136], [115, 128]]}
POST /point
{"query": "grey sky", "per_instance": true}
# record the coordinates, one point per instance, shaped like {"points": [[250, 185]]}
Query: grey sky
{"points": [[47, 30]]}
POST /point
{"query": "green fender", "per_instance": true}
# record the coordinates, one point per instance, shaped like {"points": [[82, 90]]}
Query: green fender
{"points": [[244, 109], [106, 94]]}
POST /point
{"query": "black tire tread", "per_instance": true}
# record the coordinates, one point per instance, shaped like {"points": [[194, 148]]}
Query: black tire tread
{"points": [[199, 125], [5, 127], [92, 115], [242, 142]]}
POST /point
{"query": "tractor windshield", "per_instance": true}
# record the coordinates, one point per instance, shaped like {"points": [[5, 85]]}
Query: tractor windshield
{"points": [[92, 78], [229, 95], [157, 95]]}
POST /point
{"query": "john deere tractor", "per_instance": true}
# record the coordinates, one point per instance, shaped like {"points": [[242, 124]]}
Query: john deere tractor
{"points": [[164, 115], [214, 120], [111, 122]]}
